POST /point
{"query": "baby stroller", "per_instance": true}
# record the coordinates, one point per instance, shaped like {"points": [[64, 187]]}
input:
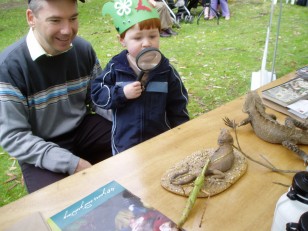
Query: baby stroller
{"points": [[183, 13]]}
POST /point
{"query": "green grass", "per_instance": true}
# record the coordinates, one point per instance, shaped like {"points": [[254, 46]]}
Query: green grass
{"points": [[215, 61], [12, 186]]}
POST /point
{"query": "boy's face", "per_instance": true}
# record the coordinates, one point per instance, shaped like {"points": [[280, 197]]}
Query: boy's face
{"points": [[136, 40]]}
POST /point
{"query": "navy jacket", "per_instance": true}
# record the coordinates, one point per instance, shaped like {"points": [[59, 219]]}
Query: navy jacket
{"points": [[160, 107]]}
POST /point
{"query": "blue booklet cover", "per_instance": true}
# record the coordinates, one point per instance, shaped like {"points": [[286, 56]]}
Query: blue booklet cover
{"points": [[110, 208]]}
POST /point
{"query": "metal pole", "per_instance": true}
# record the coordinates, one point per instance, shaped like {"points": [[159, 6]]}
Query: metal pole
{"points": [[276, 44]]}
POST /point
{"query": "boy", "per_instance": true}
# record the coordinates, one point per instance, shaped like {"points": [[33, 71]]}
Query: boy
{"points": [[138, 114]]}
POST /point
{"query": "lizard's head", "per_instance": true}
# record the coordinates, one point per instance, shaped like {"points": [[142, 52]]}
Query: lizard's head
{"points": [[253, 101], [225, 137]]}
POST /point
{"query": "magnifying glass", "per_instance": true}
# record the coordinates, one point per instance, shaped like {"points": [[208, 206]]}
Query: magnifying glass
{"points": [[147, 60]]}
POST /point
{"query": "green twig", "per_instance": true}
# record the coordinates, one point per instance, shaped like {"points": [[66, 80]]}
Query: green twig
{"points": [[198, 184]]}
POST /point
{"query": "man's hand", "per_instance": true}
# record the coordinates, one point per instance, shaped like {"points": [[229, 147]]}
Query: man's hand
{"points": [[132, 90], [82, 164]]}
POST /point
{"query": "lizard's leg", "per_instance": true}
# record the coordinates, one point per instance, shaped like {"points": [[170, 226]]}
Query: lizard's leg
{"points": [[244, 122], [217, 174], [182, 171], [182, 177], [293, 147], [272, 117], [290, 122]]}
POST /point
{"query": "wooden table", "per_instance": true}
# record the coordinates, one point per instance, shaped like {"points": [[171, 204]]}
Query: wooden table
{"points": [[247, 205]]}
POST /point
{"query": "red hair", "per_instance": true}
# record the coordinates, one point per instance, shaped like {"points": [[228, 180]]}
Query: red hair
{"points": [[151, 23]]}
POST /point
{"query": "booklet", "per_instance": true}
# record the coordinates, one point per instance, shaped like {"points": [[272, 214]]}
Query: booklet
{"points": [[303, 72], [287, 93], [111, 207], [284, 110], [299, 108]]}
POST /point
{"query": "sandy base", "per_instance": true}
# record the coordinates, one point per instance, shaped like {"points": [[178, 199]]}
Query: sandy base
{"points": [[212, 186]]}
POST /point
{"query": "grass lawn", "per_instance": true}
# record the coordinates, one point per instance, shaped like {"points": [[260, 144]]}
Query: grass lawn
{"points": [[216, 61]]}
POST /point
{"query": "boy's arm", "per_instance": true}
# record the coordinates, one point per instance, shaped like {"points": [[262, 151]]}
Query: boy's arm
{"points": [[177, 101], [106, 93]]}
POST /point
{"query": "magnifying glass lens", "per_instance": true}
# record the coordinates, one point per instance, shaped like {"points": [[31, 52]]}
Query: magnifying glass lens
{"points": [[148, 59]]}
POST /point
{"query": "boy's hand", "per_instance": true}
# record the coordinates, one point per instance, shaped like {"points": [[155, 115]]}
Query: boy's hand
{"points": [[132, 90]]}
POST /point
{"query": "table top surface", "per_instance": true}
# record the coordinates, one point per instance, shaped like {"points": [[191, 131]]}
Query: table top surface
{"points": [[249, 204]]}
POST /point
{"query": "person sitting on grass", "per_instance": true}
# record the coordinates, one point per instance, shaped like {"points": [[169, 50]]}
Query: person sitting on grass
{"points": [[140, 111], [165, 18]]}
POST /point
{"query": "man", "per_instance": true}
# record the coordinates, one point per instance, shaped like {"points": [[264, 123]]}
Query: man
{"points": [[45, 120]]}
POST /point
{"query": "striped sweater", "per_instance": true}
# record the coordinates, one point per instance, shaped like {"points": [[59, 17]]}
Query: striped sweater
{"points": [[43, 98]]}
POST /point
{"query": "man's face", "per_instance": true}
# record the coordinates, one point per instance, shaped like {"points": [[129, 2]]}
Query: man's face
{"points": [[55, 25]]}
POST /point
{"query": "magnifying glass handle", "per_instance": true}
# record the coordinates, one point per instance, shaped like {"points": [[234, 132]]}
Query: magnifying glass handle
{"points": [[140, 76]]}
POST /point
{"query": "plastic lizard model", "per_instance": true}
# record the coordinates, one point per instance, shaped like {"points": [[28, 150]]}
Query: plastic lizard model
{"points": [[269, 129], [226, 166], [221, 161]]}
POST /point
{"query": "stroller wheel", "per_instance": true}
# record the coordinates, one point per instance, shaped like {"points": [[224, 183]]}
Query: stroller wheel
{"points": [[186, 19], [182, 18], [189, 18]]}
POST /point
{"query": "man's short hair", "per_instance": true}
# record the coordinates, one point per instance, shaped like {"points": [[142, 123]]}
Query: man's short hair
{"points": [[79, 0]]}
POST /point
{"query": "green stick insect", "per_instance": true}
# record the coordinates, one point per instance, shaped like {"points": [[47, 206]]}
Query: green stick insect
{"points": [[198, 184]]}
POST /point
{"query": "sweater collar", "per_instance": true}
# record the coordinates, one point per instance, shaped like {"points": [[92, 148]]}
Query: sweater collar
{"points": [[35, 48]]}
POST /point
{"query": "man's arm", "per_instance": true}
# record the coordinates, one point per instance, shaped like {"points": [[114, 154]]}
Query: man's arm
{"points": [[17, 139]]}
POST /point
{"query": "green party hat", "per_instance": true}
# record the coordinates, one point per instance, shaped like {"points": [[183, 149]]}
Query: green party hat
{"points": [[126, 13]]}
